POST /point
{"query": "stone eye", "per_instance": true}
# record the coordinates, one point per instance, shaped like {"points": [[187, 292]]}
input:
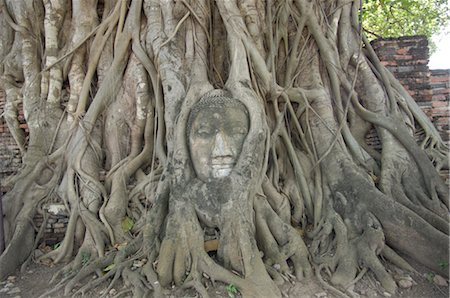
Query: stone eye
{"points": [[205, 131], [239, 130]]}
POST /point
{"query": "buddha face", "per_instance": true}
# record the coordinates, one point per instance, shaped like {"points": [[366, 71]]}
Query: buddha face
{"points": [[215, 140]]}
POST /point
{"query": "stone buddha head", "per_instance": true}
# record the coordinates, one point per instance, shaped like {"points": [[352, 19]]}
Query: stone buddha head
{"points": [[217, 127]]}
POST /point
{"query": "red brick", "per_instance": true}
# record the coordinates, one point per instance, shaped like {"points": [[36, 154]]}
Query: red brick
{"points": [[402, 57], [441, 91], [436, 79], [440, 113], [389, 63], [439, 97], [402, 51], [436, 104], [443, 121], [428, 97]]}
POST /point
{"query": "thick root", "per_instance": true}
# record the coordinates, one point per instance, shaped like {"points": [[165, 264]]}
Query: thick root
{"points": [[349, 255], [18, 250], [280, 242], [181, 244]]}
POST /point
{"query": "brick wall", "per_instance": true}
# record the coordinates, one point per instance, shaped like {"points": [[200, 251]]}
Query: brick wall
{"points": [[407, 58], [440, 110], [10, 157], [56, 220], [440, 85]]}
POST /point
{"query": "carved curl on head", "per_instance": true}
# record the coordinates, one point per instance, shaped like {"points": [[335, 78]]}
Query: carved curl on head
{"points": [[216, 98]]}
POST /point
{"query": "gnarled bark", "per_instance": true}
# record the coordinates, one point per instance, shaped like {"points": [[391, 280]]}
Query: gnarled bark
{"points": [[115, 93]]}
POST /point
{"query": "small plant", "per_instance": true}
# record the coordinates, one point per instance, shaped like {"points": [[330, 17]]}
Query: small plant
{"points": [[429, 276], [85, 256], [231, 290], [127, 224], [443, 264], [57, 245], [109, 268]]}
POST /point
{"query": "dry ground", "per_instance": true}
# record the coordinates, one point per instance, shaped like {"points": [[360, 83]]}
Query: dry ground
{"points": [[35, 281]]}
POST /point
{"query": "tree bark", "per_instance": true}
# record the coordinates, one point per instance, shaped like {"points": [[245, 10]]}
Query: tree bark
{"points": [[115, 86]]}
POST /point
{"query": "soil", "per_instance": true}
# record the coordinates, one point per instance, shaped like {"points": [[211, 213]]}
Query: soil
{"points": [[35, 281]]}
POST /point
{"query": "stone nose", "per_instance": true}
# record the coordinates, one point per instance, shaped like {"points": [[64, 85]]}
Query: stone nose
{"points": [[221, 146]]}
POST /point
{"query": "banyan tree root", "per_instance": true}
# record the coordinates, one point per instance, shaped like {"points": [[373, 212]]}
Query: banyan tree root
{"points": [[360, 252], [119, 87]]}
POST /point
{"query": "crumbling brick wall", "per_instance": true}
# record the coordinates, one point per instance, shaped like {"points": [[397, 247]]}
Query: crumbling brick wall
{"points": [[10, 156], [56, 218], [440, 110], [407, 58], [440, 86]]}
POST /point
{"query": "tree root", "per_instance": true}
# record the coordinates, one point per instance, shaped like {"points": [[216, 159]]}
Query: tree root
{"points": [[353, 251], [87, 270], [302, 83], [326, 285], [280, 241], [409, 200], [179, 249], [395, 259]]}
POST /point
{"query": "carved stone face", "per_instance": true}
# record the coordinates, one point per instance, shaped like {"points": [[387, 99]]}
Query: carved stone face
{"points": [[216, 136]]}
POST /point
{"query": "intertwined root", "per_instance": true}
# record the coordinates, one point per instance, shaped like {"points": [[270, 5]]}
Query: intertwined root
{"points": [[255, 252], [181, 247], [183, 260], [350, 250], [279, 241], [281, 78]]}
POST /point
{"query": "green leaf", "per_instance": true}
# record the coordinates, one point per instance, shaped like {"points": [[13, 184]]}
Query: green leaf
{"points": [[429, 276], [405, 17], [109, 268], [232, 290], [57, 245], [127, 224], [443, 264]]}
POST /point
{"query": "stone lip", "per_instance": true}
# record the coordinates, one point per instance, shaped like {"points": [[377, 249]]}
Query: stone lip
{"points": [[221, 171]]}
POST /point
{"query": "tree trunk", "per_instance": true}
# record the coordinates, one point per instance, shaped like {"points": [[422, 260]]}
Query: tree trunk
{"points": [[238, 123]]}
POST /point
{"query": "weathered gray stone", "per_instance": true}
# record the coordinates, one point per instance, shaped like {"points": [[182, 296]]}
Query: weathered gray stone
{"points": [[11, 278], [13, 291], [405, 283], [440, 281], [321, 295], [57, 209]]}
